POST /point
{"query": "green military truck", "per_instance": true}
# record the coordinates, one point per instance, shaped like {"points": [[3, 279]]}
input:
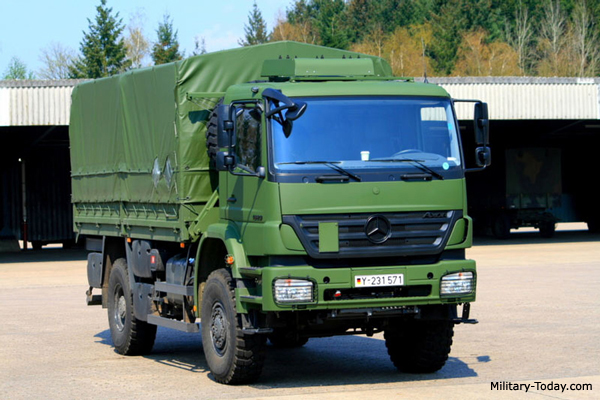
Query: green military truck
{"points": [[278, 192]]}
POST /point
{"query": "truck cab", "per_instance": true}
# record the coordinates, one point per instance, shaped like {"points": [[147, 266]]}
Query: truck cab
{"points": [[345, 198]]}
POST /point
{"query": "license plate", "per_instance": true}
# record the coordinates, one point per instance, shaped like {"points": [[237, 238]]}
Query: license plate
{"points": [[379, 280]]}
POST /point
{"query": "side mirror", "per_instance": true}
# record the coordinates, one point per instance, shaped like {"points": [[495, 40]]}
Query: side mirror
{"points": [[225, 125], [483, 156], [293, 110], [225, 161], [482, 124], [296, 111]]}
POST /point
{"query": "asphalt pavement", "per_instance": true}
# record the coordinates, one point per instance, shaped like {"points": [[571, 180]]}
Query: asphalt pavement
{"points": [[538, 336]]}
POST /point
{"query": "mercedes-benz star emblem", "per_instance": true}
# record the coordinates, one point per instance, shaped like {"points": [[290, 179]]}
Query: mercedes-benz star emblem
{"points": [[378, 229]]}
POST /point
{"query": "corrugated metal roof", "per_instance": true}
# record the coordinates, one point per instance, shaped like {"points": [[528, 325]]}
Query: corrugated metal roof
{"points": [[40, 83], [531, 98], [35, 102], [512, 80], [47, 102]]}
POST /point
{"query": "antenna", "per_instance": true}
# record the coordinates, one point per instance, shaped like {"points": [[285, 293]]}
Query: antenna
{"points": [[424, 63]]}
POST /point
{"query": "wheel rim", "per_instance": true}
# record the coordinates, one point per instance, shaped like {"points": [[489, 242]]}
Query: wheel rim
{"points": [[218, 329], [120, 311]]}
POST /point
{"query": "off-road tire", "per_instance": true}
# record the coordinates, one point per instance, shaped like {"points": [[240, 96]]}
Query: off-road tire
{"points": [[212, 144], [593, 226], [130, 335], [547, 229], [232, 356], [501, 226], [419, 346], [286, 339]]}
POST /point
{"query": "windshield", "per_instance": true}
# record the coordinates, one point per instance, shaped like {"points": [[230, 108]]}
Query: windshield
{"points": [[367, 133]]}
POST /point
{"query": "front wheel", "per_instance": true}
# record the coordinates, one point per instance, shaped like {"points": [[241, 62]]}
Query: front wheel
{"points": [[232, 356], [130, 335], [419, 346]]}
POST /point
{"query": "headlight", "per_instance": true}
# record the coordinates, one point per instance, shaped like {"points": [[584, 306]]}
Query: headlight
{"points": [[457, 284], [293, 291]]}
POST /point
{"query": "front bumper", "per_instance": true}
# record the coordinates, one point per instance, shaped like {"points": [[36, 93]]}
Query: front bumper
{"points": [[334, 288]]}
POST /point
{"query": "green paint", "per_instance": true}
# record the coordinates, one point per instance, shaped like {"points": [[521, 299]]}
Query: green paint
{"points": [[359, 197], [329, 241], [128, 126], [343, 278]]}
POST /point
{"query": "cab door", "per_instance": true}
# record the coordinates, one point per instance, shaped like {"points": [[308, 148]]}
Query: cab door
{"points": [[243, 187]]}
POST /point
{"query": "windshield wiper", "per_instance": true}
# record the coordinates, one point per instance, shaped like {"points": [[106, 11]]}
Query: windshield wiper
{"points": [[418, 163], [330, 164]]}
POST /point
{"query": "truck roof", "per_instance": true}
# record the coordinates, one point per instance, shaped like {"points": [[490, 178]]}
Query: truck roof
{"points": [[388, 87]]}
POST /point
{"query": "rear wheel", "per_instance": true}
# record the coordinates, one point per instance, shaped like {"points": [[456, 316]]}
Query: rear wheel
{"points": [[594, 226], [419, 346], [501, 226], [547, 229], [232, 356], [130, 335]]}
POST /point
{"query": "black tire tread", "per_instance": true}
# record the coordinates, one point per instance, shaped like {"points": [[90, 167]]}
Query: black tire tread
{"points": [[501, 226], [420, 346], [547, 229], [141, 335], [212, 145], [249, 353]]}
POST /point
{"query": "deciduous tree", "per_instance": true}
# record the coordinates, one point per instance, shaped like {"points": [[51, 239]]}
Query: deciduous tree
{"points": [[17, 70], [199, 46], [478, 58], [552, 41], [405, 50], [138, 45], [584, 40], [519, 36], [57, 60]]}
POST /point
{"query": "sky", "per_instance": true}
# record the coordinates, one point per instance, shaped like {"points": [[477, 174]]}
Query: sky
{"points": [[28, 26]]}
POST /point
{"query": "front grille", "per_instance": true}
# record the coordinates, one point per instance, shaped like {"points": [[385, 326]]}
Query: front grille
{"points": [[402, 234]]}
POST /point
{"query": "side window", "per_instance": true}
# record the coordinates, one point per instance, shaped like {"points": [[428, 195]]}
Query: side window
{"points": [[248, 128]]}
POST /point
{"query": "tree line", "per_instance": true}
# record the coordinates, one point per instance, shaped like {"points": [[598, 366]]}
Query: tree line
{"points": [[433, 37], [456, 37], [108, 47]]}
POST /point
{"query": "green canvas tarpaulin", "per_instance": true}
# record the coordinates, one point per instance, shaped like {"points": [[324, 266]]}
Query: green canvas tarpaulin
{"points": [[139, 137]]}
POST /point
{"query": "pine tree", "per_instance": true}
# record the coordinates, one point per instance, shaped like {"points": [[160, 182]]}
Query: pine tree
{"points": [[166, 48], [448, 24], [255, 30], [330, 23], [103, 51]]}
